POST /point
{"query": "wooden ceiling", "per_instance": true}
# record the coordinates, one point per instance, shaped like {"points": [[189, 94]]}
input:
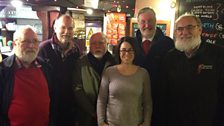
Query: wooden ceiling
{"points": [[125, 6]]}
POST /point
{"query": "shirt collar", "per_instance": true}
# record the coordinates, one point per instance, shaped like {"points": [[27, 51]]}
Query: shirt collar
{"points": [[19, 64], [194, 51], [150, 39]]}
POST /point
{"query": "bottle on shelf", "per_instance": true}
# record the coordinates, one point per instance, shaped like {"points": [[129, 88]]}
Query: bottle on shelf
{"points": [[1, 41]]}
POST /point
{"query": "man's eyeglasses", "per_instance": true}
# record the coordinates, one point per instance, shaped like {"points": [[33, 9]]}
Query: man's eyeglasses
{"points": [[188, 27], [131, 51], [97, 43], [27, 42], [145, 22]]}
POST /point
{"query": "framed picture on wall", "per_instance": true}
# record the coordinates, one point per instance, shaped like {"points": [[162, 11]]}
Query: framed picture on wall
{"points": [[164, 25]]}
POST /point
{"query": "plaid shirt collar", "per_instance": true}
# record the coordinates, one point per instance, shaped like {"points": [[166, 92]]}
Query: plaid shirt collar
{"points": [[19, 64]]}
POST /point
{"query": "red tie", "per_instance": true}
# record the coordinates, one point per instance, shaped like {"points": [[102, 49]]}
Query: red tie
{"points": [[146, 46]]}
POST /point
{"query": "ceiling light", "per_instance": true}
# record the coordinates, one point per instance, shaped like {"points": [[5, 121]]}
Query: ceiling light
{"points": [[16, 3], [89, 11], [119, 8]]}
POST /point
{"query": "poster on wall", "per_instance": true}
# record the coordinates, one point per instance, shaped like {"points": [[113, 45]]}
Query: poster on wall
{"points": [[211, 13], [115, 26], [79, 21], [91, 28]]}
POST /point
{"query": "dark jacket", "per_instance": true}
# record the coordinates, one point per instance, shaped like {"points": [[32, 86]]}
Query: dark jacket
{"points": [[194, 90], [63, 67], [160, 45], [7, 83]]}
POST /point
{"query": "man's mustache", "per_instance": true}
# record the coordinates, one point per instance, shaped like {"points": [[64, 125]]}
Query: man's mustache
{"points": [[66, 35], [148, 28]]}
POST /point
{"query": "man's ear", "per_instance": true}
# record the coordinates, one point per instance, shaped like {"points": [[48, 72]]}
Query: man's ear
{"points": [[15, 42], [54, 27]]}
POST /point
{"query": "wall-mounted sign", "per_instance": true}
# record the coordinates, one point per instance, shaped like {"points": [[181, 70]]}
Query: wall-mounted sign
{"points": [[115, 26], [21, 12], [211, 13], [79, 21]]}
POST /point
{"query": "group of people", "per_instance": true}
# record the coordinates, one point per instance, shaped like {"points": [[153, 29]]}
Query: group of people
{"points": [[149, 80]]}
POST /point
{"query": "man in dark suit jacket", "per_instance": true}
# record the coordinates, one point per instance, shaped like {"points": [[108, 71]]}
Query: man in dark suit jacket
{"points": [[150, 58]]}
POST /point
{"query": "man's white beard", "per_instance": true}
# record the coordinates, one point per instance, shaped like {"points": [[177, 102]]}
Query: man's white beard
{"points": [[98, 56], [27, 57], [187, 44]]}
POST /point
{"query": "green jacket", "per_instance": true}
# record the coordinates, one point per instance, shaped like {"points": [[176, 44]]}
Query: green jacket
{"points": [[86, 83]]}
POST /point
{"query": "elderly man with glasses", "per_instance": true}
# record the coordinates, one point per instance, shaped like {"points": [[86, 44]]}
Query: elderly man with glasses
{"points": [[151, 47], [193, 78], [24, 83]]}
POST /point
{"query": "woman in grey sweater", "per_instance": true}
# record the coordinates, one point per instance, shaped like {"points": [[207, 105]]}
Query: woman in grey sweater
{"points": [[125, 97]]}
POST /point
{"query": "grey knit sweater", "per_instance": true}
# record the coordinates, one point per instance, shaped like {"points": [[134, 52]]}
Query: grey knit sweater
{"points": [[124, 100]]}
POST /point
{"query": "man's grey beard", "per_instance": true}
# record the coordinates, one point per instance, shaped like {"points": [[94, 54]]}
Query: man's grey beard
{"points": [[98, 56], [66, 39], [188, 45], [27, 57]]}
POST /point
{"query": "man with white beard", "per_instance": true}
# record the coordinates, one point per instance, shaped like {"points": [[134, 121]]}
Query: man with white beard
{"points": [[24, 83], [188, 40], [87, 76], [193, 78]]}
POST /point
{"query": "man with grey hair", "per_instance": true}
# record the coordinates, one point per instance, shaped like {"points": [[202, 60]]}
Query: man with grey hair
{"points": [[87, 78], [62, 53], [151, 48], [24, 83], [194, 78]]}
